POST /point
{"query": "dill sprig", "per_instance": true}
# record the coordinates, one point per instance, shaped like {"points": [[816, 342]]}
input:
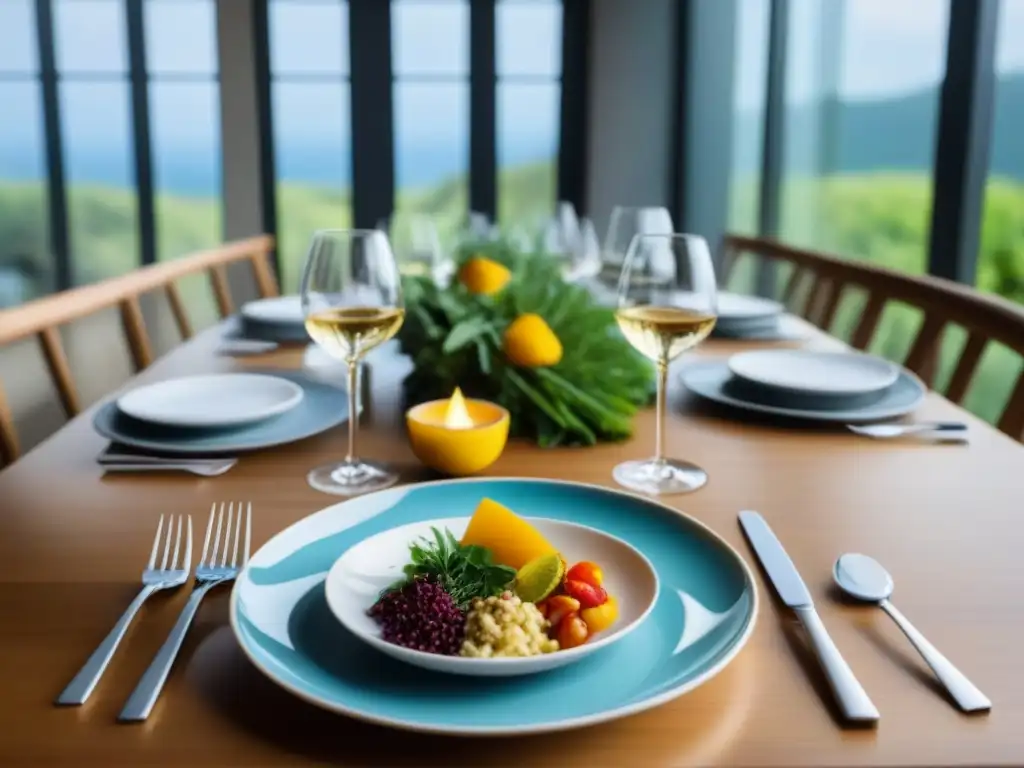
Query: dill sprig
{"points": [[464, 571]]}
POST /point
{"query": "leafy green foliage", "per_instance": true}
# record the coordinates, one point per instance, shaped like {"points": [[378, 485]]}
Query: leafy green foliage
{"points": [[455, 339], [465, 571]]}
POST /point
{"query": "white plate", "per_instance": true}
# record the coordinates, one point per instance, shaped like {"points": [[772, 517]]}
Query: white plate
{"points": [[361, 573], [279, 309], [817, 373], [217, 400], [739, 307]]}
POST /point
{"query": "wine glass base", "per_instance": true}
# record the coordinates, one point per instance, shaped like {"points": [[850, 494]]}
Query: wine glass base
{"points": [[660, 479], [351, 478]]}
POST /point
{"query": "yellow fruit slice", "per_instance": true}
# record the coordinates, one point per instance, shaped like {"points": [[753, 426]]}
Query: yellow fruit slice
{"points": [[539, 578], [512, 540]]}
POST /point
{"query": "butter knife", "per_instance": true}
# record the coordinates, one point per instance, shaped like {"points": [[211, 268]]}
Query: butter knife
{"points": [[852, 698]]}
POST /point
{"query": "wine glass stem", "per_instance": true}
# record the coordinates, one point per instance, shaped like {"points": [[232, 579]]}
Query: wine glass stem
{"points": [[659, 439], [353, 416]]}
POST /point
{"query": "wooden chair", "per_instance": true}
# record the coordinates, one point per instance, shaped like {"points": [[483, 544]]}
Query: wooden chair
{"points": [[985, 318], [43, 317]]}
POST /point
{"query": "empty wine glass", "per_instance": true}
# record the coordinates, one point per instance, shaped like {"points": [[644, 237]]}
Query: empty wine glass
{"points": [[667, 305], [417, 246], [352, 301], [586, 257], [625, 224]]}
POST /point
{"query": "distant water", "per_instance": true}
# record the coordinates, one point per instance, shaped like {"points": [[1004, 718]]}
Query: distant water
{"points": [[196, 171]]}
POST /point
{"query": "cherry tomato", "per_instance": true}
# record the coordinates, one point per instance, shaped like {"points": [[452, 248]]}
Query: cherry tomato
{"points": [[587, 572], [603, 616], [572, 631], [558, 607], [588, 595]]}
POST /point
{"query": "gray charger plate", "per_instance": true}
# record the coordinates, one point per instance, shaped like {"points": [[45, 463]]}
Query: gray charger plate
{"points": [[713, 381], [754, 392], [779, 328], [323, 407], [257, 330]]}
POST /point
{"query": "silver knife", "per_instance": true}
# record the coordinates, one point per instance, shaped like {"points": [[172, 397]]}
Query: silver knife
{"points": [[852, 698]]}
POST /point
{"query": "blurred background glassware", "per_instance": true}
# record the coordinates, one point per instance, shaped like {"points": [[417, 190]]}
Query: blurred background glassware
{"points": [[417, 246], [561, 237], [352, 300], [667, 305], [625, 224], [478, 226], [586, 257], [520, 240]]}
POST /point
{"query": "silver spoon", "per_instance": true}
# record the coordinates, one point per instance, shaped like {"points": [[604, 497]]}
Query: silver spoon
{"points": [[864, 578]]}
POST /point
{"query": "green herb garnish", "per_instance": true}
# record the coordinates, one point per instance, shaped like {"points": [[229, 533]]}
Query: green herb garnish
{"points": [[465, 571]]}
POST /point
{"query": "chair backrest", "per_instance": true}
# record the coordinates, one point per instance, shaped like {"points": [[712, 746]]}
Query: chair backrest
{"points": [[43, 317], [943, 302]]}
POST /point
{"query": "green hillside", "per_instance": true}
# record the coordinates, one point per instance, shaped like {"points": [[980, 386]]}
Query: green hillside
{"points": [[882, 218]]}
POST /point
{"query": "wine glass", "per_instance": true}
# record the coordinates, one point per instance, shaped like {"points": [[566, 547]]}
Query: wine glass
{"points": [[625, 224], [352, 301], [417, 244], [586, 259], [667, 305]]}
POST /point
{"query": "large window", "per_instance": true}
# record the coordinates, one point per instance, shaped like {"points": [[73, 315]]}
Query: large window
{"points": [[110, 140], [108, 100], [862, 91], [91, 48], [184, 108], [1001, 261], [529, 68], [749, 96], [430, 63], [26, 269], [309, 63]]}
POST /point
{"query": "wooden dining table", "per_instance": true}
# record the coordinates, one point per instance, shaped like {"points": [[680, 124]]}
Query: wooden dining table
{"points": [[946, 520]]}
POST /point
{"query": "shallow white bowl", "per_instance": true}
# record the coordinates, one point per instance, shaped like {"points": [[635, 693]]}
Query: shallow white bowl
{"points": [[358, 576], [214, 400]]}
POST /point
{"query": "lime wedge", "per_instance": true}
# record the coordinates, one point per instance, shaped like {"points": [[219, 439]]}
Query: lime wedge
{"points": [[539, 577]]}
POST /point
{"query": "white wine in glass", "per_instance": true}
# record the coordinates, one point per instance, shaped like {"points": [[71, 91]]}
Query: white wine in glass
{"points": [[352, 300], [667, 305]]}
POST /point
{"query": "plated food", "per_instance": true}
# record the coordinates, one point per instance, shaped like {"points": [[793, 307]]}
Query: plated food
{"points": [[501, 590], [687, 606]]}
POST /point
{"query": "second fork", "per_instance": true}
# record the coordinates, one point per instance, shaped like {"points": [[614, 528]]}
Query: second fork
{"points": [[171, 573], [209, 573]]}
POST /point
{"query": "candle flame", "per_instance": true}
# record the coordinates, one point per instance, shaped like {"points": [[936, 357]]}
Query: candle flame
{"points": [[457, 416]]}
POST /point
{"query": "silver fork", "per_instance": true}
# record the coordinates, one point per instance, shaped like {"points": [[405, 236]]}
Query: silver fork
{"points": [[208, 575], [153, 580]]}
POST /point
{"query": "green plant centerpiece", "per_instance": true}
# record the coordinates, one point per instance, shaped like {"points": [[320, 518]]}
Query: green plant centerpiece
{"points": [[510, 329]]}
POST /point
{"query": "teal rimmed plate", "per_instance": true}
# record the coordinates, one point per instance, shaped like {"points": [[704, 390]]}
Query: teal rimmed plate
{"points": [[705, 612]]}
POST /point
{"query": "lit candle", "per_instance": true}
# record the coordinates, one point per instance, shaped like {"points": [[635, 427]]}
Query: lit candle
{"points": [[457, 436], [456, 416]]}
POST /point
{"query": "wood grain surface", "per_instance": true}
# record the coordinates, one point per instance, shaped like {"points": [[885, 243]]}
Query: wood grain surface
{"points": [[946, 520]]}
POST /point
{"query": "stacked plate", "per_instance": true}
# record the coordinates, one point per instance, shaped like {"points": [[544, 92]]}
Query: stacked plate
{"points": [[277, 319], [289, 615], [843, 387], [221, 413], [748, 317]]}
